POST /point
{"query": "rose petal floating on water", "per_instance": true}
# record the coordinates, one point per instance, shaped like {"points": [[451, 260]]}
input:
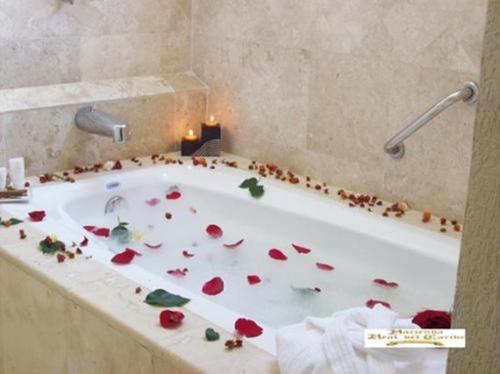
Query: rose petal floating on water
{"points": [[300, 249], [84, 242], [37, 216], [156, 246], [433, 319], [306, 290], [234, 245], [170, 318], [253, 279], [125, 257], [153, 202], [247, 328], [277, 254], [385, 283], [323, 266], [214, 231], [213, 287], [371, 303], [187, 254], [178, 272], [98, 231], [174, 195]]}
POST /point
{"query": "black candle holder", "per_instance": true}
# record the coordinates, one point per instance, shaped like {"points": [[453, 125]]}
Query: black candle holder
{"points": [[189, 147]]}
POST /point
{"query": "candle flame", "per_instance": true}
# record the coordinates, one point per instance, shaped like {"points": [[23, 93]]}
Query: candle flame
{"points": [[191, 133], [211, 118]]}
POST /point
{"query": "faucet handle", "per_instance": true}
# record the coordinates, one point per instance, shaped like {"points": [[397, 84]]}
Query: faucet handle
{"points": [[119, 133]]}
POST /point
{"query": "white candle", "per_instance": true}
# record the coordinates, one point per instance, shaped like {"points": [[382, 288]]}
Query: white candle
{"points": [[3, 178], [16, 172]]}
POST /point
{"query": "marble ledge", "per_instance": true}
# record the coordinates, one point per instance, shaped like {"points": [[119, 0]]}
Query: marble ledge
{"points": [[40, 97]]}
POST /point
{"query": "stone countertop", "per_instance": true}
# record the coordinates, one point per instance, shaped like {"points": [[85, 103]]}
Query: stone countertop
{"points": [[112, 297]]}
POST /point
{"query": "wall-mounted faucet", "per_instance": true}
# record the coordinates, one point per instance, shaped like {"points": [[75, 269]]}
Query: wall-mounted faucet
{"points": [[467, 93], [97, 122]]}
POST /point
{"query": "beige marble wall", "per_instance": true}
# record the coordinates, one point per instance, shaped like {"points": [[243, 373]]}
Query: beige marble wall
{"points": [[49, 140], [50, 41], [319, 86], [477, 300]]}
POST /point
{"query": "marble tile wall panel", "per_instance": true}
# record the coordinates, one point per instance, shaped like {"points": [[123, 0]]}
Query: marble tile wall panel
{"points": [[321, 85]]}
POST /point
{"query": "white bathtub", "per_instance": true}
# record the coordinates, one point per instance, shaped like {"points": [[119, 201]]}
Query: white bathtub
{"points": [[361, 246]]}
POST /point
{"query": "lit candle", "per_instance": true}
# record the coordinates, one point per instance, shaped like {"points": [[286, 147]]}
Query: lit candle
{"points": [[189, 143], [211, 121], [210, 130]]}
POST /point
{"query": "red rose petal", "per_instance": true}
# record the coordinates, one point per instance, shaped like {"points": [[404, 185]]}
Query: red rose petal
{"points": [[301, 249], [234, 245], [153, 246], [433, 319], [214, 231], [178, 272], [125, 257], [187, 254], [385, 283], [37, 215], [104, 232], [371, 303], [213, 287], [174, 195], [117, 166], [253, 279], [98, 231], [247, 328], [277, 254], [322, 266], [153, 202], [170, 318], [84, 242]]}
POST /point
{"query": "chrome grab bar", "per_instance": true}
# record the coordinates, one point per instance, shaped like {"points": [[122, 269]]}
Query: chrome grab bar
{"points": [[467, 93]]}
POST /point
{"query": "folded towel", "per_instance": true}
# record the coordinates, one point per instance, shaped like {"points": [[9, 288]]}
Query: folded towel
{"points": [[336, 345]]}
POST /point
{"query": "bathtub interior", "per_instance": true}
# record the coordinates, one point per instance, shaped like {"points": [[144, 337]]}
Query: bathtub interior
{"points": [[359, 246]]}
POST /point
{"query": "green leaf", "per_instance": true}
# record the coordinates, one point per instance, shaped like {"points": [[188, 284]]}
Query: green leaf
{"points": [[212, 335], [10, 222], [121, 232], [248, 183], [47, 246], [161, 297], [305, 291], [257, 191]]}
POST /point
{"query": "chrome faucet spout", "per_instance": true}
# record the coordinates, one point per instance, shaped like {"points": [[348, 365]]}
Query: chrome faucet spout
{"points": [[98, 122], [467, 93]]}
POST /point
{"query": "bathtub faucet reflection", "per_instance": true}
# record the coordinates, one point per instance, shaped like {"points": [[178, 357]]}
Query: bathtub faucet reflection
{"points": [[97, 122]]}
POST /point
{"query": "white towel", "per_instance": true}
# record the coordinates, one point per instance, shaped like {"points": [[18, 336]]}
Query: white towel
{"points": [[336, 345]]}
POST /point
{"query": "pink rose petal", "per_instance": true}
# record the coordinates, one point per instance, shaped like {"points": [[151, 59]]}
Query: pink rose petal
{"points": [[383, 282], [213, 287], [323, 266], [247, 328], [234, 245], [214, 231], [174, 195], [276, 254], [300, 249], [253, 279], [178, 272], [153, 202]]}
